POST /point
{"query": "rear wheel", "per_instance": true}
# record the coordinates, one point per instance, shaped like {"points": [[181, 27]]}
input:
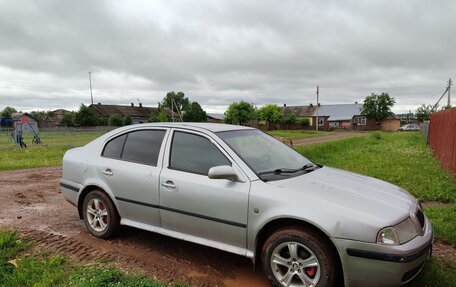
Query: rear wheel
{"points": [[100, 215], [298, 257]]}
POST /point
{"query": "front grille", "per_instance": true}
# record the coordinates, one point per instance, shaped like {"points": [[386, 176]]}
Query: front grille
{"points": [[420, 217]]}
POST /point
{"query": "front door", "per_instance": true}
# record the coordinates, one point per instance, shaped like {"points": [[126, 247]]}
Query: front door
{"points": [[194, 204]]}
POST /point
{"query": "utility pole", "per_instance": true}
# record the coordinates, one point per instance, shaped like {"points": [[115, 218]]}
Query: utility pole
{"points": [[90, 81], [318, 103], [449, 90]]}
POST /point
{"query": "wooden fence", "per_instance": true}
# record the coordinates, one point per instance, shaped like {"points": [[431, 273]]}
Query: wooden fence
{"points": [[442, 138]]}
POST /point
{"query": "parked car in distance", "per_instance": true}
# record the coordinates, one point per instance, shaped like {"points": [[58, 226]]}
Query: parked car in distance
{"points": [[240, 190], [409, 128]]}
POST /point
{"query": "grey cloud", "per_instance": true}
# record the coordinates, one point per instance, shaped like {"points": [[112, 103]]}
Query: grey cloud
{"points": [[223, 51]]}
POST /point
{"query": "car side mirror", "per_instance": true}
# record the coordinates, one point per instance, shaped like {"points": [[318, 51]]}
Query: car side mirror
{"points": [[224, 172]]}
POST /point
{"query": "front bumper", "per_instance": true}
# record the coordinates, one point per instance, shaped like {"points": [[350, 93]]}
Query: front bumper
{"points": [[370, 264]]}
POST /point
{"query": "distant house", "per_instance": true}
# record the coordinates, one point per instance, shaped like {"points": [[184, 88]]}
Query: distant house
{"points": [[301, 112], [139, 114], [341, 116], [58, 116], [348, 116], [215, 118]]}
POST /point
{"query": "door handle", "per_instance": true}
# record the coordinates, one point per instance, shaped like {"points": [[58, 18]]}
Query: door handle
{"points": [[169, 184], [107, 172]]}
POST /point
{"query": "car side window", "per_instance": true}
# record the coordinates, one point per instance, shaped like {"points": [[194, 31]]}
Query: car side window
{"points": [[195, 154], [113, 148], [143, 146]]}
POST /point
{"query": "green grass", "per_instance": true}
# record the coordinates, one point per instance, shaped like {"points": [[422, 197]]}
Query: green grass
{"points": [[298, 134], [436, 273], [10, 245], [444, 222], [44, 270], [400, 158], [405, 160], [50, 153]]}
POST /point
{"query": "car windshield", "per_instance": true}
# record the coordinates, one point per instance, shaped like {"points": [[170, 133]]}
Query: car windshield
{"points": [[266, 156]]}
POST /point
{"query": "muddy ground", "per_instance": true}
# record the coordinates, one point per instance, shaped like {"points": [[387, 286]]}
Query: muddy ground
{"points": [[31, 202]]}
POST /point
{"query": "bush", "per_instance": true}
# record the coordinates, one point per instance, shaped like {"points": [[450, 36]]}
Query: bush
{"points": [[128, 120], [305, 122], [116, 120], [102, 121]]}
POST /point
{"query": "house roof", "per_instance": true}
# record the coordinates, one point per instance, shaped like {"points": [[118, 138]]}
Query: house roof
{"points": [[341, 112], [18, 116], [132, 111], [216, 116], [300, 111]]}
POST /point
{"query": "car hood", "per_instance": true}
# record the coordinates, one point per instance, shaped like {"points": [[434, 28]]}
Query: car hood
{"points": [[362, 194]]}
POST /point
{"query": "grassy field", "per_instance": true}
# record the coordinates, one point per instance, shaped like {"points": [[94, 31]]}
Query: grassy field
{"points": [[18, 270], [298, 134], [50, 153], [405, 160], [400, 158], [55, 144]]}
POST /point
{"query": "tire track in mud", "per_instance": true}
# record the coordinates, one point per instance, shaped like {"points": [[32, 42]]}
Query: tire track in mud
{"points": [[30, 201], [161, 266], [58, 244]]}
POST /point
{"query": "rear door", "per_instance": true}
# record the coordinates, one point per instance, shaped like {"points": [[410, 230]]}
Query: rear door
{"points": [[130, 165], [194, 204]]}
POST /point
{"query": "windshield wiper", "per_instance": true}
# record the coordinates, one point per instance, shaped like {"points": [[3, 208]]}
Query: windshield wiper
{"points": [[288, 170], [278, 171]]}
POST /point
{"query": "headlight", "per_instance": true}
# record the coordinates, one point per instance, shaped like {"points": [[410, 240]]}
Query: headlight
{"points": [[398, 234]]}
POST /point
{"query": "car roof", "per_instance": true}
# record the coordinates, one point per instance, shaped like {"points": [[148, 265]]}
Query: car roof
{"points": [[206, 126]]}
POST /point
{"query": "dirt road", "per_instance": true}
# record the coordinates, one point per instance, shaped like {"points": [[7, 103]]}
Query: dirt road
{"points": [[327, 138], [30, 201]]}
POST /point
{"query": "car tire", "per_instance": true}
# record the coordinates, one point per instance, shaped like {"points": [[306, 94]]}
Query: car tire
{"points": [[100, 215], [299, 257]]}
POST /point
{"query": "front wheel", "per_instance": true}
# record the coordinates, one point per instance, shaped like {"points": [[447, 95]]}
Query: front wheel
{"points": [[100, 215], [298, 257]]}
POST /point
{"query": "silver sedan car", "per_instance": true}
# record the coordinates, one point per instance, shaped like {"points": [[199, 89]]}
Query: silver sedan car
{"points": [[240, 190]]}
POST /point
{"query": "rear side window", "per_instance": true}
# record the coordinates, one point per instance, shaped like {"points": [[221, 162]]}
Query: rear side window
{"points": [[195, 154], [113, 148], [138, 146], [143, 146]]}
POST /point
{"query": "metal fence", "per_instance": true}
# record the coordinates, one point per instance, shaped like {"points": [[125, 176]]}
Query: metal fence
{"points": [[53, 137], [442, 138]]}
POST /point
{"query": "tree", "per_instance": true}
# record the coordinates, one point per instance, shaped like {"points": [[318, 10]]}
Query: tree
{"points": [[68, 120], [115, 120], [270, 113], [240, 113], [378, 106], [423, 113], [85, 117], [194, 113], [180, 101], [159, 115], [8, 112], [290, 119]]}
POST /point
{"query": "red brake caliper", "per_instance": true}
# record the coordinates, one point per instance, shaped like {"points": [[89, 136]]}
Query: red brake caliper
{"points": [[311, 271], [105, 218]]}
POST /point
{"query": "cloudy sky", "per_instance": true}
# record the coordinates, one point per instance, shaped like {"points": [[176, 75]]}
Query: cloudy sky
{"points": [[218, 52]]}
